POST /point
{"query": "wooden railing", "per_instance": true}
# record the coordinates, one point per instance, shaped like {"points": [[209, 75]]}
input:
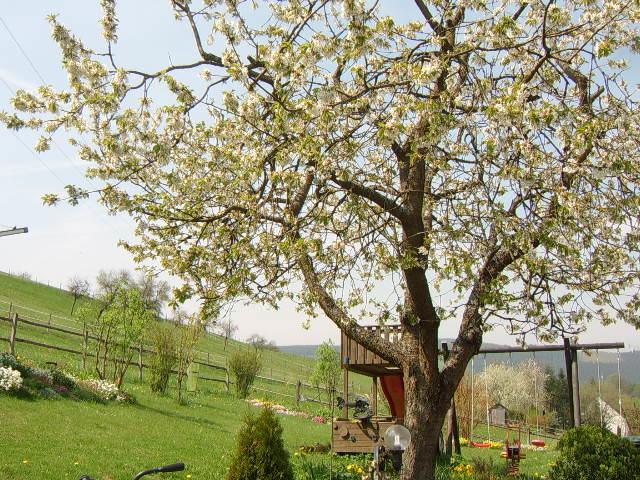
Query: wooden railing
{"points": [[353, 353]]}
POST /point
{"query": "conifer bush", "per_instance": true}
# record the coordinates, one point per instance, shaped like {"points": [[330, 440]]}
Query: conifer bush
{"points": [[260, 452]]}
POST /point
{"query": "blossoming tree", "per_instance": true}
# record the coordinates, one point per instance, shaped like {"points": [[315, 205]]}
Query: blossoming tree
{"points": [[330, 152]]}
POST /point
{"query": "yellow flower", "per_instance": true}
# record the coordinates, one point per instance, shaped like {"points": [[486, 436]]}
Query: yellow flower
{"points": [[25, 461], [188, 475], [76, 463]]}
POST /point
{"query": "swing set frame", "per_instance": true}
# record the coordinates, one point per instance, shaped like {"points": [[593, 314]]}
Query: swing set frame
{"points": [[353, 436]]}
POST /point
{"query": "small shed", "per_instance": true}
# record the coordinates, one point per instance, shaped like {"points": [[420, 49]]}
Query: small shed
{"points": [[498, 415]]}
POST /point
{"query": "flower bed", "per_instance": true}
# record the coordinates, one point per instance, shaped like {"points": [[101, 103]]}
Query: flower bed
{"points": [[10, 379], [282, 410], [20, 377]]}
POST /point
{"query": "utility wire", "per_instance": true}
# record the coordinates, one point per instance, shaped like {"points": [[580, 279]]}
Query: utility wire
{"points": [[15, 40], [55, 143], [73, 164]]}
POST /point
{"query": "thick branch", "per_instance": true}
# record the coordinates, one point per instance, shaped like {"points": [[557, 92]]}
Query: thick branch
{"points": [[387, 350], [426, 13], [387, 204]]}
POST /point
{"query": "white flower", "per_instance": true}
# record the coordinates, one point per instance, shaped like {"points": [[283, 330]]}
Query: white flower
{"points": [[10, 379], [105, 389], [206, 75]]}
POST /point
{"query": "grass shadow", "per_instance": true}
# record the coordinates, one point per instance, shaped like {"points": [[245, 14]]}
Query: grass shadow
{"points": [[179, 416]]}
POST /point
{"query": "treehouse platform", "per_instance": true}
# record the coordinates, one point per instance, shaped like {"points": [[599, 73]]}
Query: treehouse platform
{"points": [[356, 358], [362, 434]]}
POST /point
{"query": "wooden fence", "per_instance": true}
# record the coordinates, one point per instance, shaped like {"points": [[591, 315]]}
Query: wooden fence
{"points": [[14, 319]]}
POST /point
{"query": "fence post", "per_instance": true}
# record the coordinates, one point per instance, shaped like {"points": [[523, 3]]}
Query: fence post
{"points": [[48, 329], [85, 345], [140, 360], [12, 335], [298, 388], [226, 378]]}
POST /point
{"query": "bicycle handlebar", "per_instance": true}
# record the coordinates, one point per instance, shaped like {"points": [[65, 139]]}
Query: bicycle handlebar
{"points": [[175, 467]]}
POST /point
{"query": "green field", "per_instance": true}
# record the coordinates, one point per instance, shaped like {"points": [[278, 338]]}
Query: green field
{"points": [[46, 304], [62, 438], [56, 439]]}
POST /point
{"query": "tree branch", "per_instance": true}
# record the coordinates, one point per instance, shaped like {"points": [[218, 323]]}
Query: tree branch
{"points": [[370, 340], [384, 202]]}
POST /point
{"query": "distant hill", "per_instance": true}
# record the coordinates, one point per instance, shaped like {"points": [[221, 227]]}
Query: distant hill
{"points": [[308, 351], [629, 361]]}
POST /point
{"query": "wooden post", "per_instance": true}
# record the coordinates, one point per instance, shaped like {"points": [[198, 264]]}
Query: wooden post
{"points": [[298, 388], [345, 409], [575, 388], [12, 335], [208, 359], [448, 444], [226, 378], [456, 431], [85, 345], [569, 371], [48, 330], [140, 361], [374, 396]]}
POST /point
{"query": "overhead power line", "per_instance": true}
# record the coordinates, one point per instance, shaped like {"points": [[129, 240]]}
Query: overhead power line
{"points": [[24, 54]]}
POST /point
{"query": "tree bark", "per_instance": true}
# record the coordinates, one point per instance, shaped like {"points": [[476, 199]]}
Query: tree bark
{"points": [[425, 411]]}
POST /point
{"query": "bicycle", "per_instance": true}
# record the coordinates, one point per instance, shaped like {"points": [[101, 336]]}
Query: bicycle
{"points": [[175, 467]]}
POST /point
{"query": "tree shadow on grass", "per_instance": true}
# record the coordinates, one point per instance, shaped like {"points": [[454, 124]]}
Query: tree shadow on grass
{"points": [[186, 418]]}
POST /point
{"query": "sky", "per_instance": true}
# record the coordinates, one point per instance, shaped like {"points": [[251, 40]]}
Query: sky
{"points": [[65, 241]]}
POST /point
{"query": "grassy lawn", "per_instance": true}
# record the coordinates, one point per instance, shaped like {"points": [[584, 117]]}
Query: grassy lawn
{"points": [[64, 439], [56, 439], [536, 462], [44, 303]]}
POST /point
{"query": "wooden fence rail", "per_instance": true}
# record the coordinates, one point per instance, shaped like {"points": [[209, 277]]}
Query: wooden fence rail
{"points": [[14, 319], [143, 348]]}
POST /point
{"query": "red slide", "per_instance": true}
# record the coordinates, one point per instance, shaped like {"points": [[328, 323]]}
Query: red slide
{"points": [[393, 388]]}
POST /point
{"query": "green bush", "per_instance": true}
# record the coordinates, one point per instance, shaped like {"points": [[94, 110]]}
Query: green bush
{"points": [[592, 453], [62, 379], [260, 452], [244, 367], [163, 359]]}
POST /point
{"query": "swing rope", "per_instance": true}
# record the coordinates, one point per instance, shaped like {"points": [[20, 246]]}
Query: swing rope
{"points": [[599, 389], [472, 400], [535, 391], [486, 391], [619, 388]]}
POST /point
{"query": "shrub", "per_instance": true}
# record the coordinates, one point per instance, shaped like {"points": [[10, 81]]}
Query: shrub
{"points": [[60, 378], [8, 360], [163, 359], [244, 367], [326, 373], [10, 379], [260, 452], [102, 388], [592, 453]]}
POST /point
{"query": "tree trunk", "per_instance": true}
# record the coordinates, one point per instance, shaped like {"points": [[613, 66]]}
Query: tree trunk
{"points": [[426, 405]]}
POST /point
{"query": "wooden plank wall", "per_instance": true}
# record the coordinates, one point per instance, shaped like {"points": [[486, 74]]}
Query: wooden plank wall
{"points": [[359, 355]]}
